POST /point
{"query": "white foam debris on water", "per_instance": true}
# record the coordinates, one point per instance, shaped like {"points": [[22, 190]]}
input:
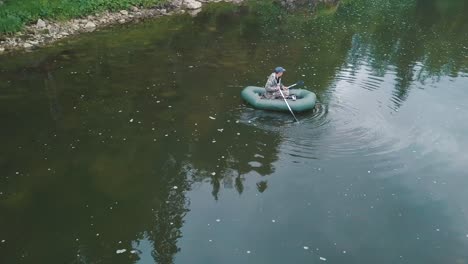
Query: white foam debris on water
{"points": [[158, 102], [131, 120], [344, 251], [238, 133], [322, 258], [220, 129], [306, 247], [248, 252], [166, 135], [237, 121], [120, 251], [97, 234], [17, 172], [209, 240], [3, 240], [218, 220], [212, 118], [213, 173], [437, 229], [368, 171], [171, 223], [214, 141], [133, 251], [273, 221], [175, 187], [120, 111]]}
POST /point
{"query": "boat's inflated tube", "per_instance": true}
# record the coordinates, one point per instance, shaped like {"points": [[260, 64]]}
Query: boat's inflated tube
{"points": [[305, 100]]}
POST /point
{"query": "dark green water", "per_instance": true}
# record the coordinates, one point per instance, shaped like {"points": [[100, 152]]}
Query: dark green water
{"points": [[135, 138]]}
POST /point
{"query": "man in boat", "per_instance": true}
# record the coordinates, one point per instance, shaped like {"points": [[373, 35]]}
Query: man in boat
{"points": [[273, 85]]}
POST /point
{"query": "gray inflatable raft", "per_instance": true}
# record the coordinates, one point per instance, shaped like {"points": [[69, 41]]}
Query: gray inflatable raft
{"points": [[305, 100]]}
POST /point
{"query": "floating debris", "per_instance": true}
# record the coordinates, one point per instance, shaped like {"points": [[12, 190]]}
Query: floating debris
{"points": [[273, 221], [248, 252], [213, 173], [175, 187], [120, 251], [220, 129], [306, 247], [131, 120], [322, 258], [212, 118], [218, 220]]}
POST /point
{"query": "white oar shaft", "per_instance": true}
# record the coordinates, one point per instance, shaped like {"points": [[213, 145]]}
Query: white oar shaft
{"points": [[290, 110]]}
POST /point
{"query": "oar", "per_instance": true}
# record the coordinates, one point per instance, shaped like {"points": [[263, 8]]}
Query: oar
{"points": [[290, 110], [299, 83]]}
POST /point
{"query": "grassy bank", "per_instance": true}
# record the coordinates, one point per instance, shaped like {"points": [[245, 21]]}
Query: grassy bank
{"points": [[14, 14]]}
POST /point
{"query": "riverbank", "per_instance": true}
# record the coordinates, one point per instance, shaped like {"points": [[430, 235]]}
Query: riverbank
{"points": [[44, 32]]}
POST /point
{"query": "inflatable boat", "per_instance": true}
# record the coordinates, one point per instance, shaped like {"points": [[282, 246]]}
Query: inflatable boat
{"points": [[254, 96]]}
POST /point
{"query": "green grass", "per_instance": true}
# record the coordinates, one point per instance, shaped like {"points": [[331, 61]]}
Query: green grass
{"points": [[14, 14]]}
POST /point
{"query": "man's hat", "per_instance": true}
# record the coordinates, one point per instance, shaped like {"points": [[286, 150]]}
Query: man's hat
{"points": [[279, 69]]}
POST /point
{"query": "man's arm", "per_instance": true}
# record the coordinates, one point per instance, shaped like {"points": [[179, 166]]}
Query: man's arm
{"points": [[271, 85]]}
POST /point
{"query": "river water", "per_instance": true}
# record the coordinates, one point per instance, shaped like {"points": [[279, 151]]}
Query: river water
{"points": [[132, 145]]}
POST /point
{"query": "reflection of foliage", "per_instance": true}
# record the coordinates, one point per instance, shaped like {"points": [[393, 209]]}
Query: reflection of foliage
{"points": [[421, 39], [169, 214], [238, 156]]}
